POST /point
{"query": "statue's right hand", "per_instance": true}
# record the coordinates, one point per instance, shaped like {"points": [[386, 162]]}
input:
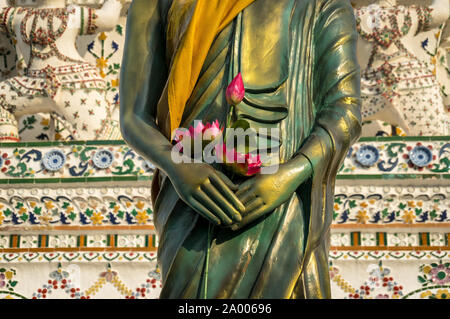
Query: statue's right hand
{"points": [[208, 191]]}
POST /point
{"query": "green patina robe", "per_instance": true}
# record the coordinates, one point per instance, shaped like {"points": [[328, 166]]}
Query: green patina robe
{"points": [[298, 62]]}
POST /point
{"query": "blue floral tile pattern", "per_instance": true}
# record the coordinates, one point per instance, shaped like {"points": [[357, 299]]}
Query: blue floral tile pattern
{"points": [[384, 205], [108, 207], [54, 160], [116, 159], [420, 156], [367, 155], [103, 158], [411, 155], [71, 160]]}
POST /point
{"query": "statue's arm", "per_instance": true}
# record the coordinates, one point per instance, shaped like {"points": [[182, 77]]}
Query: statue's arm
{"points": [[143, 78], [336, 85]]}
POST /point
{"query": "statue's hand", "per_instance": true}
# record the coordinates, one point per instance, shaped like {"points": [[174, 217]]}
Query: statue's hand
{"points": [[208, 191], [263, 193]]}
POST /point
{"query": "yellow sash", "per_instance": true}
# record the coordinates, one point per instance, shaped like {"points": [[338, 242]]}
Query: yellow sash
{"points": [[208, 19]]}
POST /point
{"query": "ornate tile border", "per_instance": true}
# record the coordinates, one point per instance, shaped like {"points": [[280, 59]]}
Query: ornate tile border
{"points": [[68, 208], [73, 243], [352, 255], [373, 241], [62, 208], [87, 256], [418, 157], [71, 162], [95, 161], [391, 206]]}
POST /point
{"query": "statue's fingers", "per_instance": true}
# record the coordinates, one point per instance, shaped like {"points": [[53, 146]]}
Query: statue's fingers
{"points": [[227, 192], [217, 197], [247, 197], [254, 215], [212, 207], [202, 210], [253, 205], [227, 181], [244, 187]]}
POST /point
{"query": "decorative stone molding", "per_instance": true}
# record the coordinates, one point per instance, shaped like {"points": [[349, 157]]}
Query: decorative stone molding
{"points": [[26, 209], [391, 206], [402, 157], [65, 242], [72, 161], [375, 241]]}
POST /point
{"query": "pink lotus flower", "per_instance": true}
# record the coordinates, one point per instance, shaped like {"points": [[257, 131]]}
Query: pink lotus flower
{"points": [[242, 164], [212, 130], [207, 132], [235, 91], [196, 131], [202, 133]]}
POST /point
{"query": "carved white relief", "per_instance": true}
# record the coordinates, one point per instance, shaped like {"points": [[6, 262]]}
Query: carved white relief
{"points": [[400, 85], [131, 241], [30, 241], [57, 79], [4, 242], [96, 240], [62, 241]]}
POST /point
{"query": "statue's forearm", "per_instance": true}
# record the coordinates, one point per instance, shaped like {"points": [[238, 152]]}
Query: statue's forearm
{"points": [[142, 79], [145, 137], [298, 169], [317, 148]]}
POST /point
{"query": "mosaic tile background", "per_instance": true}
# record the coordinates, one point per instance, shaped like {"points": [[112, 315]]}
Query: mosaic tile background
{"points": [[101, 226], [82, 226]]}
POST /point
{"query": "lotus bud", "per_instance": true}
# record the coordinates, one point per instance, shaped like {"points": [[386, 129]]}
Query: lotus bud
{"points": [[235, 90]]}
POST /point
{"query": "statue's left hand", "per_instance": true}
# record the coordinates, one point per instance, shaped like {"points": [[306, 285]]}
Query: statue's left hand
{"points": [[263, 193]]}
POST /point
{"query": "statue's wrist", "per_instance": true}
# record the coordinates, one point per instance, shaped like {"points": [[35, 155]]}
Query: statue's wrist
{"points": [[169, 166], [299, 167]]}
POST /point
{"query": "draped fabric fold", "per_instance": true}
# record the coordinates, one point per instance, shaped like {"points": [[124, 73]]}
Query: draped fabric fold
{"points": [[208, 19]]}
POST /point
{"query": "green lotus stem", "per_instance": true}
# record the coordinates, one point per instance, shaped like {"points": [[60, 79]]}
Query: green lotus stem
{"points": [[208, 248], [229, 116]]}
